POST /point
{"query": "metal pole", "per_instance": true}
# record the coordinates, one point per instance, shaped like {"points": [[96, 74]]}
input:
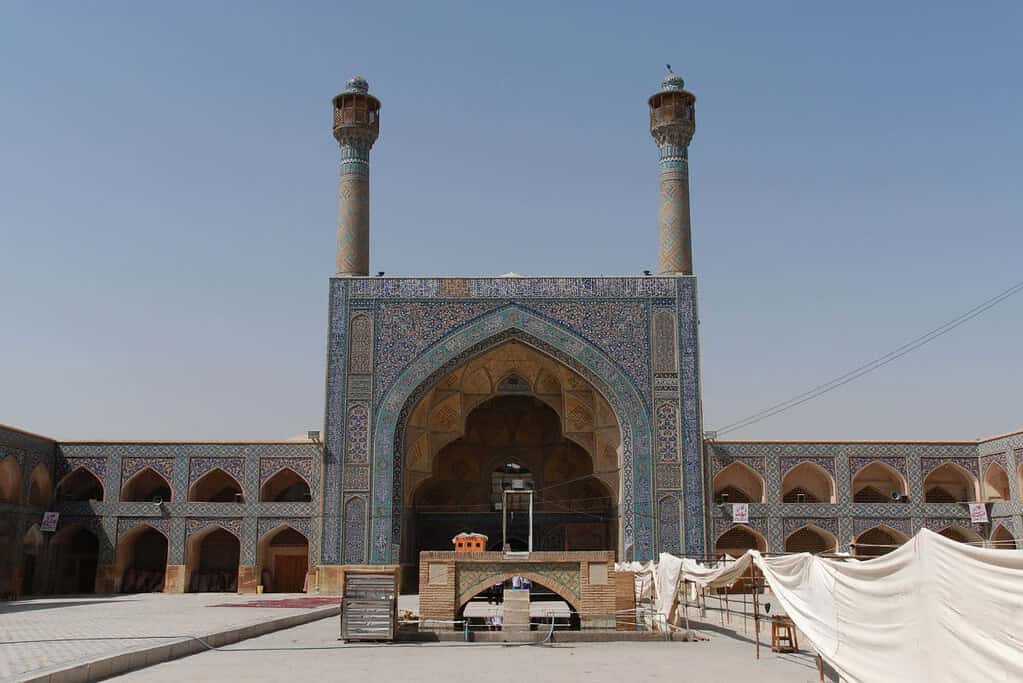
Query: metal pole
{"points": [[756, 612], [530, 521], [504, 520]]}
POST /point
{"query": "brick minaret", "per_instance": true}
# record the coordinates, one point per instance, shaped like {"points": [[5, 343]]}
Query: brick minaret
{"points": [[672, 122], [356, 126]]}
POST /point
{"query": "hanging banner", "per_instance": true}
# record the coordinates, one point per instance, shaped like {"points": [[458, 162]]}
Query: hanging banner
{"points": [[740, 513], [978, 513], [50, 520]]}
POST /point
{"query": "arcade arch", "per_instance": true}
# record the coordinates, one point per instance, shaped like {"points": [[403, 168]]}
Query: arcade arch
{"points": [[40, 486], [33, 556], [807, 482], [1003, 539], [811, 539], [511, 405], [738, 540], [949, 483], [962, 534], [141, 560], [996, 483], [738, 483], [286, 486], [80, 485], [74, 556], [216, 486], [877, 541], [284, 558], [147, 485], [211, 561], [878, 483], [10, 480]]}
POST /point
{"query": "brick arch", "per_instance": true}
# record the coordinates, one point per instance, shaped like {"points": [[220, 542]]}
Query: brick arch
{"points": [[829, 538], [283, 469], [131, 480], [80, 471], [725, 479], [901, 483], [497, 577], [10, 480], [552, 339]]}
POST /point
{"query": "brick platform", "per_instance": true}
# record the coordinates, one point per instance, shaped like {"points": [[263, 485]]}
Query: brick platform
{"points": [[585, 580]]}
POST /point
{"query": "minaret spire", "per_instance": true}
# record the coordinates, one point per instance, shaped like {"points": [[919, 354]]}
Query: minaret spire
{"points": [[672, 123], [356, 126]]}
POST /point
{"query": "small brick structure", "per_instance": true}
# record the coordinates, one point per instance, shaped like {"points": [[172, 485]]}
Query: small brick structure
{"points": [[584, 579], [470, 543]]}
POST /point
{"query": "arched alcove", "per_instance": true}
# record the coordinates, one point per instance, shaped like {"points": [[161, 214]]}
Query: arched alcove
{"points": [[738, 483], [8, 547], [216, 486], [949, 483], [878, 482], [284, 558], [146, 485], [877, 541], [738, 540], [74, 556], [33, 560], [811, 539], [807, 482], [79, 485], [40, 486], [10, 480], [1003, 539], [211, 559], [962, 534], [996, 483], [286, 486], [141, 560]]}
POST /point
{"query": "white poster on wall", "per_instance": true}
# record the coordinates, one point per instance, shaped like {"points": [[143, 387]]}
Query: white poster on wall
{"points": [[50, 520], [740, 513], [978, 513]]}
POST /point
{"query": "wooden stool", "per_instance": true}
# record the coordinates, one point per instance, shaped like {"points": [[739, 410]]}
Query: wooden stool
{"points": [[783, 635]]}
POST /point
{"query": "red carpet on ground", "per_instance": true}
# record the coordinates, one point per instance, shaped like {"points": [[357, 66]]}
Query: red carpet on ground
{"points": [[290, 603]]}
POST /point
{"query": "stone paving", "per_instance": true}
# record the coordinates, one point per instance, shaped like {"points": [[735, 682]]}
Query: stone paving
{"points": [[43, 633], [312, 652]]}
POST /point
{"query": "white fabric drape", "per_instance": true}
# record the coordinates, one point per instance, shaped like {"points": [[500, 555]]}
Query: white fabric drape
{"points": [[931, 610]]}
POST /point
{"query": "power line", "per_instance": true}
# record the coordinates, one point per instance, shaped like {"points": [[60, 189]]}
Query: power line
{"points": [[870, 366]]}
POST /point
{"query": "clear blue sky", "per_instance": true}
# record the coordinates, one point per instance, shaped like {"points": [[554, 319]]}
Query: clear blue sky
{"points": [[168, 196]]}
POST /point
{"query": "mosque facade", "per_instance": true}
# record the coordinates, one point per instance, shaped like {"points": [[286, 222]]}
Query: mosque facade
{"points": [[442, 393]]}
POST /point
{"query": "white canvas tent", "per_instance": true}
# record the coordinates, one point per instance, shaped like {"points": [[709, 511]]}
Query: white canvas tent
{"points": [[931, 610]]}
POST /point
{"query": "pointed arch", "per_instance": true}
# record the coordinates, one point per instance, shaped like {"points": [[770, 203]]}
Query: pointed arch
{"points": [[74, 559], [950, 483], [962, 534], [1002, 538], [808, 482], [738, 539], [212, 556], [283, 554], [548, 337], [285, 486], [146, 485], [40, 485], [877, 482], [78, 485], [877, 541], [216, 486], [996, 483], [33, 550], [140, 559], [10, 480], [547, 581], [740, 483], [810, 538]]}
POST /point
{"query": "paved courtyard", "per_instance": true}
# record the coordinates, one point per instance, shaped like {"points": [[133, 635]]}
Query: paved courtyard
{"points": [[39, 634], [313, 652]]}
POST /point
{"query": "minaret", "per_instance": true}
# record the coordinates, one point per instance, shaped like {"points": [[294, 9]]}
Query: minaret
{"points": [[672, 122], [356, 126]]}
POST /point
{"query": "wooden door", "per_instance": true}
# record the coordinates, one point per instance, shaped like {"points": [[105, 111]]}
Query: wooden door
{"points": [[289, 573]]}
